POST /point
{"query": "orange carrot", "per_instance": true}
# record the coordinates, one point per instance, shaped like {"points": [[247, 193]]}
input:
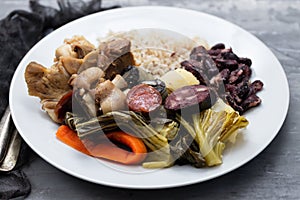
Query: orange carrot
{"points": [[105, 149], [112, 152], [69, 137]]}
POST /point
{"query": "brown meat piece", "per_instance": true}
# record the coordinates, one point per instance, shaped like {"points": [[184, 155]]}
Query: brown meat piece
{"points": [[114, 57], [110, 97], [50, 85], [76, 47], [86, 79], [118, 65], [71, 64], [90, 60], [46, 83]]}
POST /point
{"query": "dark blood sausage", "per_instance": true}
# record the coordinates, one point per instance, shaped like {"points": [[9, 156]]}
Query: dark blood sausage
{"points": [[143, 98], [63, 106], [188, 96]]}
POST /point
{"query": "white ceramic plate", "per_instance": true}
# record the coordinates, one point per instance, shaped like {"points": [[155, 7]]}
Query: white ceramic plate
{"points": [[265, 121]]}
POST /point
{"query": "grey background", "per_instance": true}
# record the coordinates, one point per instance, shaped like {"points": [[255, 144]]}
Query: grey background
{"points": [[274, 174]]}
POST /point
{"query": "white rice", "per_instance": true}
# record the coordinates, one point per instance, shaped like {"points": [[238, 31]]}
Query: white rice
{"points": [[158, 51]]}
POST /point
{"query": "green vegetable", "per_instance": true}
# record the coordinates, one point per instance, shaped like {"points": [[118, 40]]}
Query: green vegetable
{"points": [[200, 142], [186, 151], [212, 129], [159, 155], [166, 127]]}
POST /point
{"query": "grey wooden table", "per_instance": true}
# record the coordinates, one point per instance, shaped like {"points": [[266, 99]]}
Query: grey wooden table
{"points": [[274, 174]]}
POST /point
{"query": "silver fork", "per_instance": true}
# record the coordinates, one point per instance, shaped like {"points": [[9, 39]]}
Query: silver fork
{"points": [[10, 142]]}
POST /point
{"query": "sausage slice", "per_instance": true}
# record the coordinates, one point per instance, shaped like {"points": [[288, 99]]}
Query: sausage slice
{"points": [[188, 96], [143, 98]]}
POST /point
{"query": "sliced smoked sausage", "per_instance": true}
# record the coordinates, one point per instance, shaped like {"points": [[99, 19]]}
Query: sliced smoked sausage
{"points": [[143, 98], [188, 96]]}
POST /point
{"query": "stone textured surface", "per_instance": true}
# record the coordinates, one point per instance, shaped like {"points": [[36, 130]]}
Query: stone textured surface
{"points": [[274, 174]]}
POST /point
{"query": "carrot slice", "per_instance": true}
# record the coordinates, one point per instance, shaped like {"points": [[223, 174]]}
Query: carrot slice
{"points": [[112, 152], [106, 149], [69, 137]]}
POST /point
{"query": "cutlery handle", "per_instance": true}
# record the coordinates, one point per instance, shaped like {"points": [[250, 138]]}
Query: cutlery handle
{"points": [[11, 157], [6, 127]]}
